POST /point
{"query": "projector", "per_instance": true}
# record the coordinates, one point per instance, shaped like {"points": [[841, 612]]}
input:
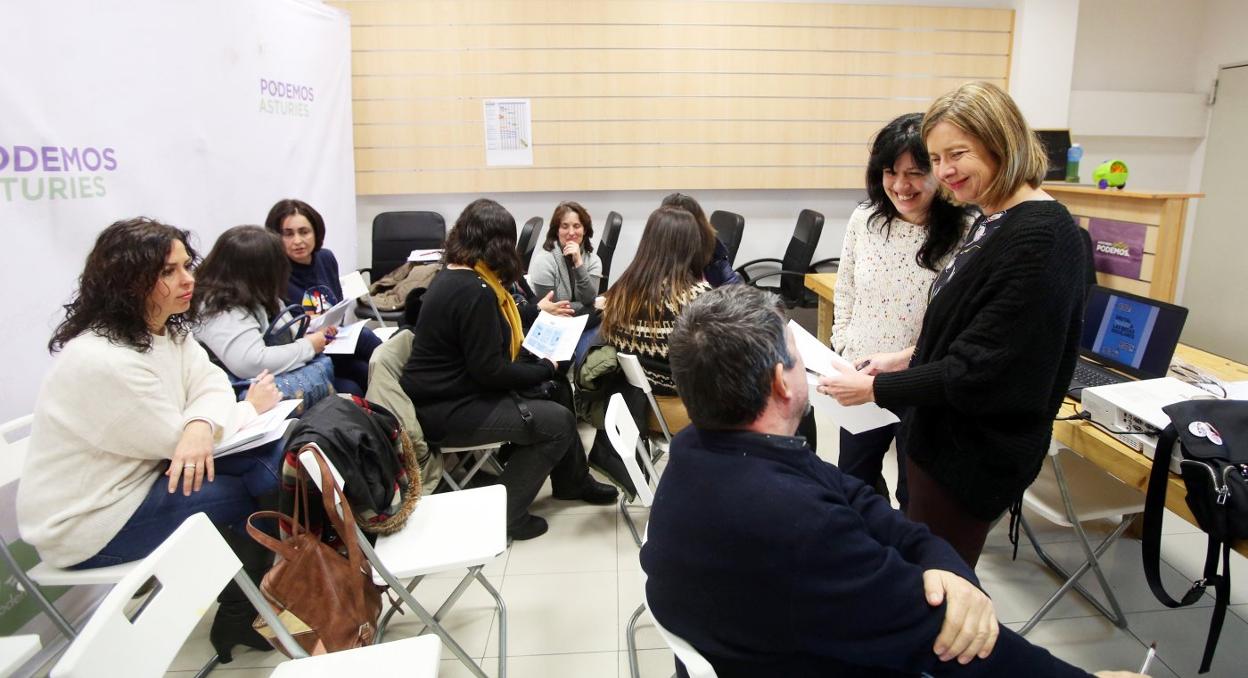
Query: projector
{"points": [[1132, 410]]}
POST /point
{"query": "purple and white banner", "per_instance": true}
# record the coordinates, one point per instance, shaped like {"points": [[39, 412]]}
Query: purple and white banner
{"points": [[1118, 246], [200, 114]]}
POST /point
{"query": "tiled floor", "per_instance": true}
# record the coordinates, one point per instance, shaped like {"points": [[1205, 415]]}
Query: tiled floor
{"points": [[570, 592]]}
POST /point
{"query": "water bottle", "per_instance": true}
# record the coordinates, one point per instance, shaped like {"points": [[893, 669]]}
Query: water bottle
{"points": [[1073, 156]]}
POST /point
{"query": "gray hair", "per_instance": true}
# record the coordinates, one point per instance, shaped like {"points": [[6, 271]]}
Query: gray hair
{"points": [[723, 351]]}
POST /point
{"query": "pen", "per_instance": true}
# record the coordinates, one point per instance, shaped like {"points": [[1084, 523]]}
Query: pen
{"points": [[863, 365], [1148, 658]]}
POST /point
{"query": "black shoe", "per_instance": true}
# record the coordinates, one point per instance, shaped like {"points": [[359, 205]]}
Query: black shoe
{"points": [[232, 626], [594, 492], [602, 458], [529, 527]]}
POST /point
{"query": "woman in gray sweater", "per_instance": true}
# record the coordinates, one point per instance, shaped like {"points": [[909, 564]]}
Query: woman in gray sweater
{"points": [[571, 270]]}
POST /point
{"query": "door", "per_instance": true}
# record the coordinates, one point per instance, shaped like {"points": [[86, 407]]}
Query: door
{"points": [[1216, 287]]}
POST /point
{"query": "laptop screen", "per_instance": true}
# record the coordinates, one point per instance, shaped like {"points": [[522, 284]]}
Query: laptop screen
{"points": [[1131, 333]]}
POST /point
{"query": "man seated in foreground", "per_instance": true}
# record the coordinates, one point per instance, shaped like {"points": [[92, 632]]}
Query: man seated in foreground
{"points": [[770, 561]]}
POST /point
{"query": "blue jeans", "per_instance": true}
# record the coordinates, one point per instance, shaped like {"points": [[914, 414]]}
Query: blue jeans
{"points": [[228, 500]]}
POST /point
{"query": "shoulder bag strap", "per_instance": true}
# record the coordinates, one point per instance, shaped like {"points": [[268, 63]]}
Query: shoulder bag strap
{"points": [[1154, 509], [1222, 597], [344, 524]]}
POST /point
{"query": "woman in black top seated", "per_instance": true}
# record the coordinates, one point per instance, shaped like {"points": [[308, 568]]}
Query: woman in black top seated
{"points": [[466, 371], [1001, 333]]}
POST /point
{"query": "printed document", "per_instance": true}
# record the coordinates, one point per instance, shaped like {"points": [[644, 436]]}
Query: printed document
{"points": [[555, 336], [264, 429], [819, 358]]}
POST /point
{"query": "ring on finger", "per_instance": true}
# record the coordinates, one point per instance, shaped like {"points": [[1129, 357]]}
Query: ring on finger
{"points": [[189, 464]]}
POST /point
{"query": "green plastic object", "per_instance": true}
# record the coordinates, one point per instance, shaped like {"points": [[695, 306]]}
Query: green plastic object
{"points": [[1110, 174]]}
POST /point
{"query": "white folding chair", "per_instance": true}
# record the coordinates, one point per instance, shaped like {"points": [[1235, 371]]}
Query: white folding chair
{"points": [[637, 378], [354, 287], [471, 458], [446, 531], [17, 650], [189, 568], [626, 441], [695, 664], [1065, 476], [13, 453]]}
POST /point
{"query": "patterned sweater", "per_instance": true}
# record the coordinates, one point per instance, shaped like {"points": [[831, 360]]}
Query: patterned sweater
{"points": [[647, 339], [881, 291]]}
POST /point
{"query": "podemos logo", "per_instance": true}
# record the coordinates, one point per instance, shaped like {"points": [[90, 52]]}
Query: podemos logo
{"points": [[1120, 248], [285, 98], [54, 172]]}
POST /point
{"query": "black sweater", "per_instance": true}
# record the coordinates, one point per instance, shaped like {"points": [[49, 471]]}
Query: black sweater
{"points": [[461, 352], [994, 360]]}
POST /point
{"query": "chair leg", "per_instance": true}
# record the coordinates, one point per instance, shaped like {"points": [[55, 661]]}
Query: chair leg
{"points": [[32, 589], [1092, 556], [633, 669], [628, 520], [430, 621]]}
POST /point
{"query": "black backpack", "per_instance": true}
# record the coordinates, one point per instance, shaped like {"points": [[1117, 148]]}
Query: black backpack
{"points": [[1212, 437]]}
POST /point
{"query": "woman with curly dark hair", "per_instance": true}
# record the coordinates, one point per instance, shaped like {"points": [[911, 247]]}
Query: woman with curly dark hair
{"points": [[896, 242], [121, 447], [466, 374]]}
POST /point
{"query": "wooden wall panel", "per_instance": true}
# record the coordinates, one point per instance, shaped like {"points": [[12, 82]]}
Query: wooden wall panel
{"points": [[650, 94]]}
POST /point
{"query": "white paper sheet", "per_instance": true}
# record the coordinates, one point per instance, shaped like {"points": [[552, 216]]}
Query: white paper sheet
{"points": [[344, 342], [265, 428], [333, 316], [554, 336], [425, 256], [819, 358], [508, 132]]}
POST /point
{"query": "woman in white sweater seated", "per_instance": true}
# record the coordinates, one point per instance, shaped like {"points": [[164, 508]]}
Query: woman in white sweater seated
{"points": [[567, 264], [238, 293], [121, 448], [895, 244]]}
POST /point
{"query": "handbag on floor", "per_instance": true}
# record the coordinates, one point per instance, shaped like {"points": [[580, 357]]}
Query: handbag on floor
{"points": [[1211, 437], [326, 599]]}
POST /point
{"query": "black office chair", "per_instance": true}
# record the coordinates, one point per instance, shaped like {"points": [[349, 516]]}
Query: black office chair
{"points": [[795, 265], [729, 226], [606, 247], [527, 242], [395, 235]]}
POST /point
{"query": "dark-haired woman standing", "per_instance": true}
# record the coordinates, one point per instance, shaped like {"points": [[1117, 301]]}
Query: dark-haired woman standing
{"points": [[895, 243], [466, 371], [314, 284], [121, 448], [240, 282]]}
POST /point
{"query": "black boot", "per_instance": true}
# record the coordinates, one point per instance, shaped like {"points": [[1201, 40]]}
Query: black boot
{"points": [[235, 613], [602, 458]]}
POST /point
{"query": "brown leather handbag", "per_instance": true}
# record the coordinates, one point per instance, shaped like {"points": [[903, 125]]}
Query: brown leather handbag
{"points": [[326, 599]]}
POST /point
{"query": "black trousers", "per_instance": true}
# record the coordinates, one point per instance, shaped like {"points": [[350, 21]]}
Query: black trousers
{"points": [[547, 445], [862, 456]]}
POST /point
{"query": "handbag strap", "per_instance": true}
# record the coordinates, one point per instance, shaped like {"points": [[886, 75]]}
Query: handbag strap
{"points": [[1154, 508], [334, 500], [278, 546], [277, 326]]}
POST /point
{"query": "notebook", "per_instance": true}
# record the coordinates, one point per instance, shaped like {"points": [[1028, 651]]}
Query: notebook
{"points": [[1125, 337]]}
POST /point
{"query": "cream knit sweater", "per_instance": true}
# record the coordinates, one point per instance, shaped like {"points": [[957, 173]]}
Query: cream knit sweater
{"points": [[106, 420], [881, 291]]}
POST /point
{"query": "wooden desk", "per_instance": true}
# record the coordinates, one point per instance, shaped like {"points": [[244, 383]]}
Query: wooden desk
{"points": [[1100, 448]]}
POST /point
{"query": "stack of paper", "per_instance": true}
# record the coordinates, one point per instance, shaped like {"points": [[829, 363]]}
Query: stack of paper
{"points": [[262, 430], [820, 359], [344, 342], [425, 256]]}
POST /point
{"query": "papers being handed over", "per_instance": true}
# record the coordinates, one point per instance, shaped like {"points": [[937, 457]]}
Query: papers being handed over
{"points": [[554, 336], [264, 429], [819, 358], [344, 342], [334, 316], [425, 256]]}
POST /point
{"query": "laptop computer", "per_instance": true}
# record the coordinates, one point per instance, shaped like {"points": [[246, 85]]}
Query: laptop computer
{"points": [[1125, 337]]}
